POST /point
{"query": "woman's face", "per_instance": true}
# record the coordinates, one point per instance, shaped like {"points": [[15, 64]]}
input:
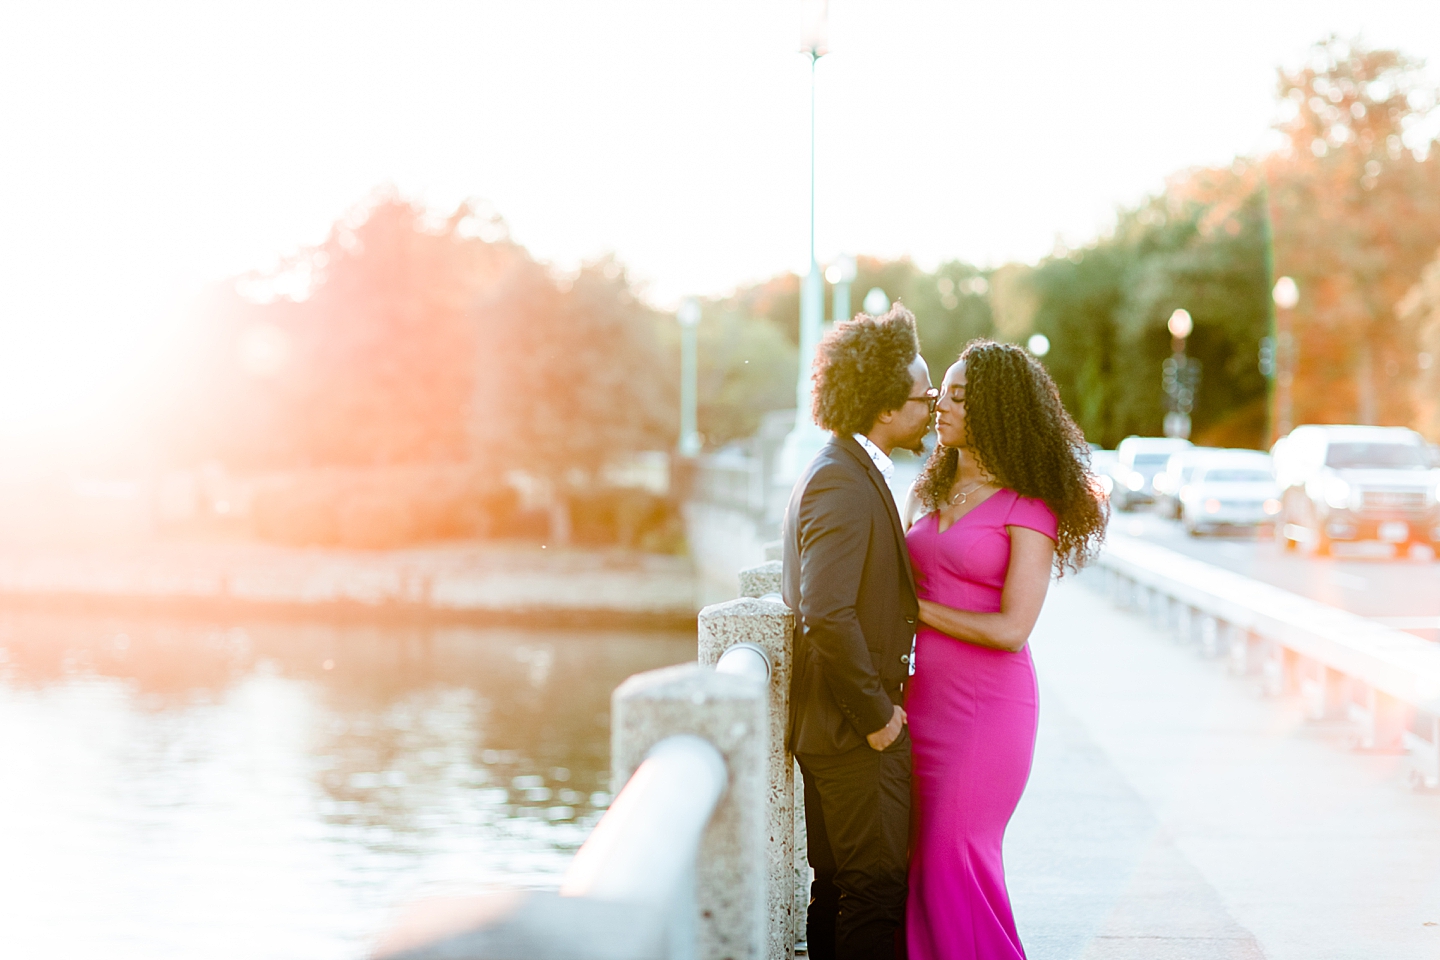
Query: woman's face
{"points": [[950, 411]]}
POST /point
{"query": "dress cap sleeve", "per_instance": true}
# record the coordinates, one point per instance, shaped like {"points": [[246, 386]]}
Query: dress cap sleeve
{"points": [[1034, 515]]}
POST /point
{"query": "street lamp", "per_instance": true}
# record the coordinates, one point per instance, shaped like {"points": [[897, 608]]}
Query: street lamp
{"points": [[1180, 376], [806, 439], [1282, 354], [841, 274], [876, 302], [689, 317]]}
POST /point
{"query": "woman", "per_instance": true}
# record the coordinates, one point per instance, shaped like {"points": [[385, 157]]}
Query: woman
{"points": [[1006, 497]]}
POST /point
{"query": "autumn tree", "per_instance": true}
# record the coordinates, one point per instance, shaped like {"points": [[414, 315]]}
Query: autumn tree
{"points": [[424, 339], [1355, 203], [569, 379], [1420, 311]]}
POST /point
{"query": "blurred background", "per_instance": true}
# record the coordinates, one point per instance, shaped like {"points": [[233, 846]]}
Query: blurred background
{"points": [[331, 274], [379, 382]]}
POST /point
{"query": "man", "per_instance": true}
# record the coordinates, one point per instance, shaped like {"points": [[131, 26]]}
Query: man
{"points": [[847, 576]]}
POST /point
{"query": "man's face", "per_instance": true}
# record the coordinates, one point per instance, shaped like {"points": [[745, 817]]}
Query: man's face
{"points": [[912, 421]]}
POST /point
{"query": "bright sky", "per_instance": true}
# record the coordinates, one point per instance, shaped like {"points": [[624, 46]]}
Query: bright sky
{"points": [[148, 148]]}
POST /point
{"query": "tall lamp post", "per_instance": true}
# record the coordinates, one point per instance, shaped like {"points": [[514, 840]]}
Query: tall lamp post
{"points": [[1281, 355], [841, 274], [1181, 375], [689, 317], [806, 439]]}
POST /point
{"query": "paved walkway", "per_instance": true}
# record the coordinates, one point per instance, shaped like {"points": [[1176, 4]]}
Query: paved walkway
{"points": [[1174, 812]]}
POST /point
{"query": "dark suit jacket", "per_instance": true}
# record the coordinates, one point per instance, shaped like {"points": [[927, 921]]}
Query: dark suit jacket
{"points": [[847, 577]]}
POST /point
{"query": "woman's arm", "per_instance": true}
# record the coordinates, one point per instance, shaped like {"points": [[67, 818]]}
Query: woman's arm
{"points": [[910, 509], [1026, 580]]}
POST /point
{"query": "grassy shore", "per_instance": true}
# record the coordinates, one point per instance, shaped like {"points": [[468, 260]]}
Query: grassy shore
{"points": [[472, 582]]}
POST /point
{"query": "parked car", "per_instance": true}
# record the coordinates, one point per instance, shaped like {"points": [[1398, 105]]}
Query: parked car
{"points": [[1102, 464], [1230, 489], [1139, 460], [1169, 482], [1349, 483]]}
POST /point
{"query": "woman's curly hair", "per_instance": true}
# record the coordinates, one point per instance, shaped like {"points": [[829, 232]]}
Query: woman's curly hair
{"points": [[1020, 433], [862, 369]]}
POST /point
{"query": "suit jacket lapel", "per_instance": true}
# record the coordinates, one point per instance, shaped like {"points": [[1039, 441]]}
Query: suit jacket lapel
{"points": [[877, 479]]}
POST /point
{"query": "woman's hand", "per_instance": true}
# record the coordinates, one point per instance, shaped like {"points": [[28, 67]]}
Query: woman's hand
{"points": [[1028, 578]]}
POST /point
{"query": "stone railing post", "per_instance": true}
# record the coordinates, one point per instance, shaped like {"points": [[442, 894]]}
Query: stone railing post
{"points": [[732, 713], [761, 580], [768, 625]]}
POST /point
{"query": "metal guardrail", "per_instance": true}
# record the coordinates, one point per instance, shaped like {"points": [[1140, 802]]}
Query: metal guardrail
{"points": [[1344, 665]]}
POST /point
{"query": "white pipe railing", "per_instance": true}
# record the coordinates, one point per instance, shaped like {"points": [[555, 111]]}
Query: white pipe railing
{"points": [[745, 660], [1343, 664], [643, 850]]}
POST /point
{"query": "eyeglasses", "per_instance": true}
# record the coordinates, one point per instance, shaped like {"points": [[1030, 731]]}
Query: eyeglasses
{"points": [[930, 398]]}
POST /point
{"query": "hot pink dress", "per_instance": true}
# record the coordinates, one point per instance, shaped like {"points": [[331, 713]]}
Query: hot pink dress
{"points": [[973, 712]]}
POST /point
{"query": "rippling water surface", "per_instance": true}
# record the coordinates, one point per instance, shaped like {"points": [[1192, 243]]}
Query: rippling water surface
{"points": [[171, 790]]}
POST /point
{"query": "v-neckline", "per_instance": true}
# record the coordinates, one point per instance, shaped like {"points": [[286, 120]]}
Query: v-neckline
{"points": [[941, 531]]}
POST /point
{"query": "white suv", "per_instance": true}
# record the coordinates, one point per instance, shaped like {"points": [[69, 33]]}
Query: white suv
{"points": [[1342, 483], [1139, 459]]}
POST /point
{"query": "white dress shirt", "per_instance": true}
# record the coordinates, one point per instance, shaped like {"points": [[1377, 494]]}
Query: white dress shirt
{"points": [[884, 463], [887, 470]]}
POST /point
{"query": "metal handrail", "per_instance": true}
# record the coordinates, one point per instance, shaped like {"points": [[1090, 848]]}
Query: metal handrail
{"points": [[643, 850], [745, 660]]}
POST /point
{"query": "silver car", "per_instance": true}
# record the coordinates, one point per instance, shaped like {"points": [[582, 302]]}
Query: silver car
{"points": [[1177, 473], [1230, 491], [1139, 460]]}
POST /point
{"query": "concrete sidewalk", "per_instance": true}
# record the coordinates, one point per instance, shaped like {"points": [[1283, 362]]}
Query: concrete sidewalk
{"points": [[1174, 812]]}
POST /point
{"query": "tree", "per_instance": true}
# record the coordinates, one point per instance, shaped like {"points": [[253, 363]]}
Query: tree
{"points": [[1355, 202], [372, 364], [1199, 246], [569, 380], [1420, 311]]}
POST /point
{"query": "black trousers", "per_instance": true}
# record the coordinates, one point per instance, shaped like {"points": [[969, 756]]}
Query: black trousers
{"points": [[857, 818]]}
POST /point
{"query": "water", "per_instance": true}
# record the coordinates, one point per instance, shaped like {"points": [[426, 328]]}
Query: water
{"points": [[173, 790]]}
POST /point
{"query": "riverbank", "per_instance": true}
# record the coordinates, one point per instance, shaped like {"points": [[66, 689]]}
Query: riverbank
{"points": [[481, 583]]}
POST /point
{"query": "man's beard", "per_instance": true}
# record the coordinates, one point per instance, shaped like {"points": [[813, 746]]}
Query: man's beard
{"points": [[917, 446]]}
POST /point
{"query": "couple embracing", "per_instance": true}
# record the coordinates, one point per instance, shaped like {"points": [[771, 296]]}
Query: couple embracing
{"points": [[914, 701]]}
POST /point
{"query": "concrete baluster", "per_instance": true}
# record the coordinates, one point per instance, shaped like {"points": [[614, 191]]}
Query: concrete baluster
{"points": [[730, 712], [1382, 719], [1157, 608], [1323, 689], [1211, 631], [764, 581], [1180, 629], [768, 625], [1423, 745], [761, 580], [1278, 669], [1245, 652]]}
